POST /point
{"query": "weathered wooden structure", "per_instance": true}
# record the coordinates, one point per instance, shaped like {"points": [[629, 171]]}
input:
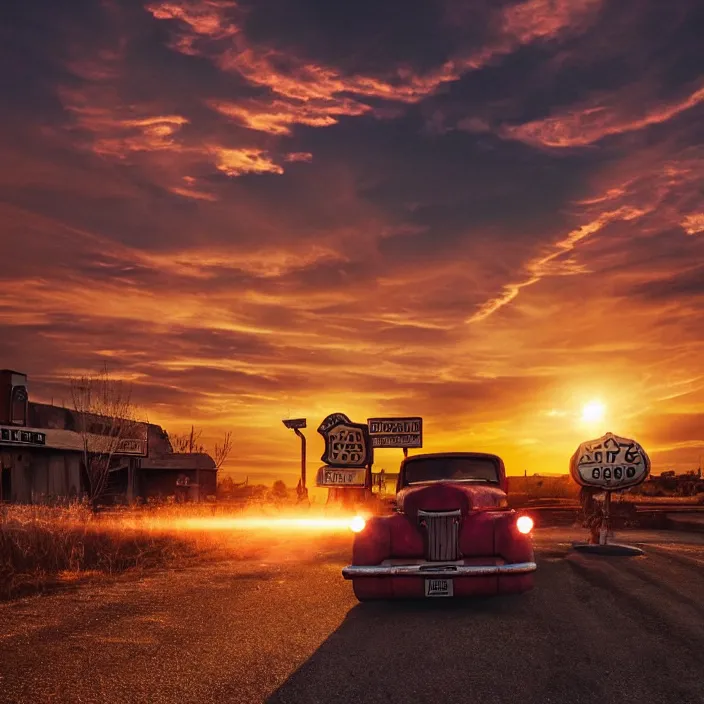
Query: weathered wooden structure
{"points": [[42, 453]]}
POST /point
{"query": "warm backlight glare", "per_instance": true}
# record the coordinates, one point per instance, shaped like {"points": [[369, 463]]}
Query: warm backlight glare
{"points": [[281, 524], [594, 411], [524, 524], [357, 524]]}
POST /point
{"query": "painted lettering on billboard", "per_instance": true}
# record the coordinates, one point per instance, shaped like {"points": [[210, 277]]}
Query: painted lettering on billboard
{"points": [[22, 437], [131, 446], [347, 444], [338, 477], [396, 432]]}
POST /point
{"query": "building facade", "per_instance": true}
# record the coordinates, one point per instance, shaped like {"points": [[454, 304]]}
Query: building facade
{"points": [[42, 452]]}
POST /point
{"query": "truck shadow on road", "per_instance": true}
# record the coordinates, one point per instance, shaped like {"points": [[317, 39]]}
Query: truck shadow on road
{"points": [[381, 643]]}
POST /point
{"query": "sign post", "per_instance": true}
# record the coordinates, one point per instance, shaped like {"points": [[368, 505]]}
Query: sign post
{"points": [[296, 424], [609, 463], [348, 458]]}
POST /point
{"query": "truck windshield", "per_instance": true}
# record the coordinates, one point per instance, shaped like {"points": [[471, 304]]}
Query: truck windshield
{"points": [[456, 469]]}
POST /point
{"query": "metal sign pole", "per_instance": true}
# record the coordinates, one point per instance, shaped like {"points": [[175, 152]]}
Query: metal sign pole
{"points": [[303, 456], [296, 424], [606, 519]]}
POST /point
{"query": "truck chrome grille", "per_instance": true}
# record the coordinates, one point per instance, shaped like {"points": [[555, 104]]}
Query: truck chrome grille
{"points": [[442, 530]]}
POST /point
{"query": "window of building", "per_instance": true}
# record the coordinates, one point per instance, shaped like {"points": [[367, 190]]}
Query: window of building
{"points": [[18, 406]]}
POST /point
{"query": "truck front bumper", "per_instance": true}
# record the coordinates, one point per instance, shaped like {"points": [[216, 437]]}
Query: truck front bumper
{"points": [[431, 569]]}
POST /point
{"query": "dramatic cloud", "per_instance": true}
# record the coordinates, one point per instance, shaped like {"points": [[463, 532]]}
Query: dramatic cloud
{"points": [[235, 162], [592, 122], [693, 224], [277, 116], [485, 213], [316, 95]]}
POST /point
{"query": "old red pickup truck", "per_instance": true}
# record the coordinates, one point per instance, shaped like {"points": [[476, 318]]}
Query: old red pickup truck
{"points": [[452, 534]]}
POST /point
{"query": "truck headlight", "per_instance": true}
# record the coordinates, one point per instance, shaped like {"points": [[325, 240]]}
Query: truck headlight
{"points": [[524, 524], [357, 524]]}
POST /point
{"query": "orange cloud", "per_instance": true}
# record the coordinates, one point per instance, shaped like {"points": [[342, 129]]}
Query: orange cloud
{"points": [[299, 156], [147, 134], [586, 124], [235, 162], [119, 129], [191, 193], [310, 82], [278, 116], [649, 188], [203, 19], [549, 264], [314, 95], [693, 224], [533, 20]]}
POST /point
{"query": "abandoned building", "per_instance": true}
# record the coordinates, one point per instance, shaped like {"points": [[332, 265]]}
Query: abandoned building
{"points": [[42, 456]]}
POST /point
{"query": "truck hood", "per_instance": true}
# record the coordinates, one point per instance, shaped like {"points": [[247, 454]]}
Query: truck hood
{"points": [[450, 496]]}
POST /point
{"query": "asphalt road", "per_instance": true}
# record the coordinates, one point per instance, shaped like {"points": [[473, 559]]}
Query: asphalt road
{"points": [[595, 629]]}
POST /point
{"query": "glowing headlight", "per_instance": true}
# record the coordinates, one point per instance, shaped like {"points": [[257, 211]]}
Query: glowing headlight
{"points": [[357, 524], [524, 524]]}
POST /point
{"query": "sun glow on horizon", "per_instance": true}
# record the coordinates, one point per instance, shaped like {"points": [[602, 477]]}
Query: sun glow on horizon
{"points": [[593, 412]]}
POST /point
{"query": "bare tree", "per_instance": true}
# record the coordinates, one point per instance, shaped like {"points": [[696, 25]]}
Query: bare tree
{"points": [[222, 452], [105, 415], [191, 442], [187, 442]]}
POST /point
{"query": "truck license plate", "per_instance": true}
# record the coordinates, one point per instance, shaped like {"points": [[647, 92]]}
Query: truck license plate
{"points": [[438, 587]]}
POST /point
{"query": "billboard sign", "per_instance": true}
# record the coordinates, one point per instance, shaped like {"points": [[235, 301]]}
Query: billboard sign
{"points": [[610, 463], [347, 444], [338, 477], [17, 436], [396, 432], [131, 446]]}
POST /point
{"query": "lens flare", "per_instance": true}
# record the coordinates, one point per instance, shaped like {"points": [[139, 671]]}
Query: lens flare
{"points": [[524, 524], [321, 524], [265, 522], [357, 524]]}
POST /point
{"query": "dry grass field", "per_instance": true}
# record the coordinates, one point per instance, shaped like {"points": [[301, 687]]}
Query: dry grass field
{"points": [[43, 546], [524, 491]]}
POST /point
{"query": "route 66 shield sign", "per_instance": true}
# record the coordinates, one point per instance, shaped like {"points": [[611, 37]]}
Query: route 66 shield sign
{"points": [[610, 463], [347, 444]]}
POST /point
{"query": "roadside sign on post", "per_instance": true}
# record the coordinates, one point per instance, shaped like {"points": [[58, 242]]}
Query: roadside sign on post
{"points": [[609, 463], [347, 444], [348, 455], [401, 433], [337, 477]]}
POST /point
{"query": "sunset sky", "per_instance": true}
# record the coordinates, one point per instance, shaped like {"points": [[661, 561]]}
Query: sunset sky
{"points": [[488, 213]]}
